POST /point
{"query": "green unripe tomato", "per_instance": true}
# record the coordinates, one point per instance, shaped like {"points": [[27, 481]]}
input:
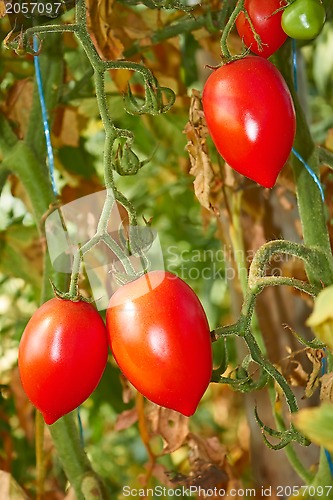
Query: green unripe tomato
{"points": [[303, 19]]}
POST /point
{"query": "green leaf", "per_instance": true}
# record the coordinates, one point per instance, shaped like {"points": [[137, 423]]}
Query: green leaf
{"points": [[189, 48], [323, 310], [20, 255], [78, 160], [317, 424]]}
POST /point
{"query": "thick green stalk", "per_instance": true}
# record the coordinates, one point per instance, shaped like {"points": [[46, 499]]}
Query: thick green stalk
{"points": [[311, 209], [310, 204], [87, 485]]}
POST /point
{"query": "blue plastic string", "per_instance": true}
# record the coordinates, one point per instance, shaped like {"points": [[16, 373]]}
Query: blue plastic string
{"points": [[311, 172], [47, 133], [298, 156], [50, 157]]}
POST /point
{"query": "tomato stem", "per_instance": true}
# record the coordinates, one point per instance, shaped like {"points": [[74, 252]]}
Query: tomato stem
{"points": [[226, 55]]}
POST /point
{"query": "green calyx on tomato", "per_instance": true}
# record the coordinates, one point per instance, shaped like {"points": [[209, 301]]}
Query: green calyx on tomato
{"points": [[160, 338], [62, 355], [265, 17], [303, 19], [251, 118]]}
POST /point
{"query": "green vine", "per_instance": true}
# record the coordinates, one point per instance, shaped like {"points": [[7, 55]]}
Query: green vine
{"points": [[315, 253], [120, 157]]}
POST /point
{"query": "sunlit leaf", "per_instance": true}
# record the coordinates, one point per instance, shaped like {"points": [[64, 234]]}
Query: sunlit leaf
{"points": [[317, 424]]}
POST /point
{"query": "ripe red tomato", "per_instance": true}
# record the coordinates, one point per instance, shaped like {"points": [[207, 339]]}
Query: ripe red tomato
{"points": [[62, 355], [160, 338], [251, 118], [266, 24]]}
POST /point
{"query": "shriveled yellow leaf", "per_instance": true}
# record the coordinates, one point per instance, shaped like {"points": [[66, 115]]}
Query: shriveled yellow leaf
{"points": [[201, 166], [170, 425], [9, 488], [317, 424]]}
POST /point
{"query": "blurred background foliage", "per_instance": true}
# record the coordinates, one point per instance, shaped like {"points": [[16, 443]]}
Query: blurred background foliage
{"points": [[129, 445]]}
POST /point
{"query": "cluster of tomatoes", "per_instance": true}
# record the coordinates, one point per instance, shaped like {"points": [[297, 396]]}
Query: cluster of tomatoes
{"points": [[158, 334], [155, 326], [248, 107]]}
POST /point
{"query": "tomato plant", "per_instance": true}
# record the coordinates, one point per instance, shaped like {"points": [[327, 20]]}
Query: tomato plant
{"points": [[303, 19], [160, 338], [266, 23], [62, 355], [251, 118]]}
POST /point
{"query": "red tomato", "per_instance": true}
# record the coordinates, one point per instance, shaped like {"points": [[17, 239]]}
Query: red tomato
{"points": [[62, 355], [251, 118], [160, 338], [266, 24]]}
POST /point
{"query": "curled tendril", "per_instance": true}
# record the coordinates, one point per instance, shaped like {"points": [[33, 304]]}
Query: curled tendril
{"points": [[125, 161], [313, 344], [153, 102], [285, 436]]}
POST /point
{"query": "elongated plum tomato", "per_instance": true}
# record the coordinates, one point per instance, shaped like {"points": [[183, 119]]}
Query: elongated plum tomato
{"points": [[267, 24], [160, 338], [62, 355], [251, 118]]}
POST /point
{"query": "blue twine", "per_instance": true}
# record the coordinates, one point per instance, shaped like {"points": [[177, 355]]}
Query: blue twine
{"points": [[311, 172], [44, 117], [50, 157], [298, 156]]}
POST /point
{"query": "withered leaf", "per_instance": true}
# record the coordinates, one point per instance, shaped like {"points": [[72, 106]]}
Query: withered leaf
{"points": [[2, 9], [207, 460], [126, 419], [108, 44], [297, 376], [209, 450], [326, 390], [9, 488], [18, 104], [315, 356], [170, 425], [201, 167], [66, 128], [24, 409]]}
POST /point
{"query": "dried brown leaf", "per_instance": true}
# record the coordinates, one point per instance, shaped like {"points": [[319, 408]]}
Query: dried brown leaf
{"points": [[315, 356], [326, 390], [208, 450], [207, 461], [18, 104], [206, 180], [297, 376], [2, 9], [24, 409], [107, 43], [66, 128], [170, 425], [126, 419], [128, 391], [9, 489]]}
